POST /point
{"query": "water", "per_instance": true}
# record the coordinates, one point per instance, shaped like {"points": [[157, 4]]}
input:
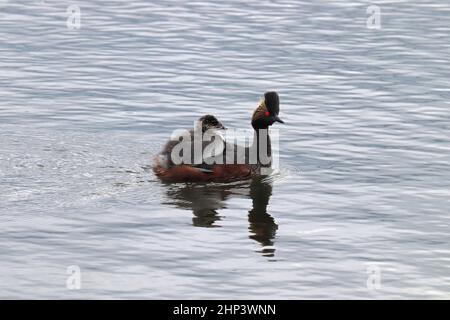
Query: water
{"points": [[363, 184]]}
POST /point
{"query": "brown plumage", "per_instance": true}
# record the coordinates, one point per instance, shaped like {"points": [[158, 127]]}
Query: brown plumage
{"points": [[219, 173]]}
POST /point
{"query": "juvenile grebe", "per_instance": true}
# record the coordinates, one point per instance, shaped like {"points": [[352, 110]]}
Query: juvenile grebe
{"points": [[265, 115]]}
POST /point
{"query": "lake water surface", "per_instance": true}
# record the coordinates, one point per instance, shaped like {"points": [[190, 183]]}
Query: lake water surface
{"points": [[363, 186]]}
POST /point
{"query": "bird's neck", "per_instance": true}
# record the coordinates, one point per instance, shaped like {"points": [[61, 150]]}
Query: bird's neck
{"points": [[262, 147]]}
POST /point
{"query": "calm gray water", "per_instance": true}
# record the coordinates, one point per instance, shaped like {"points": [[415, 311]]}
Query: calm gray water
{"points": [[364, 177]]}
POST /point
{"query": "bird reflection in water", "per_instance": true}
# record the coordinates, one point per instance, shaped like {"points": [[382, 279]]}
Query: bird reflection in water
{"points": [[206, 199]]}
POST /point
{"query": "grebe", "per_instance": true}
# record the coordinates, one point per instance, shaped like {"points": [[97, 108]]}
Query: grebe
{"points": [[265, 115]]}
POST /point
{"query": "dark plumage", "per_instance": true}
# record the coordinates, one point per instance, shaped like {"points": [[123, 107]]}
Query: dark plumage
{"points": [[209, 122]]}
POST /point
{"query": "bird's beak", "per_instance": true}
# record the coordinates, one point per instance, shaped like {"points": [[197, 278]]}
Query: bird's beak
{"points": [[278, 119]]}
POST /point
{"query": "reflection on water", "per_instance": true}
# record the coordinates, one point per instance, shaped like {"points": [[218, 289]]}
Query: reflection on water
{"points": [[206, 199], [262, 225]]}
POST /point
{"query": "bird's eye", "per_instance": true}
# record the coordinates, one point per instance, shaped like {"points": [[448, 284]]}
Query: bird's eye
{"points": [[266, 113]]}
